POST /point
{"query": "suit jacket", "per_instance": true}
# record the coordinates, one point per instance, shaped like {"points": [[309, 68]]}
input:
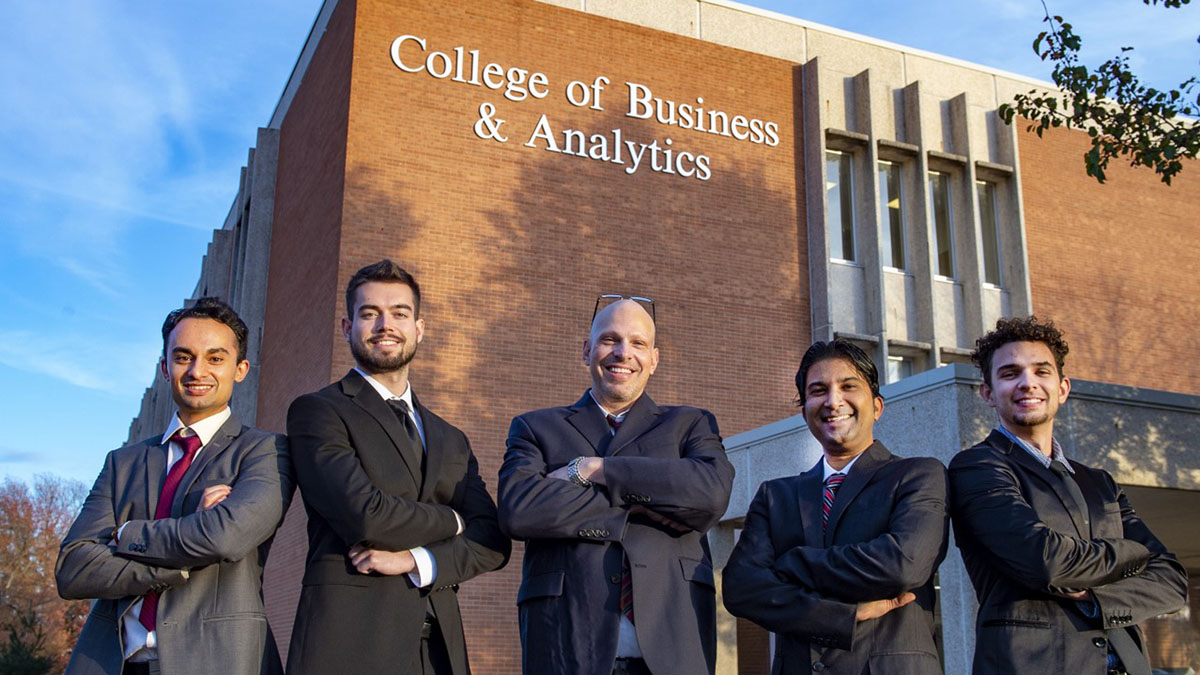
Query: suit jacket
{"points": [[886, 535], [359, 488], [212, 620], [1025, 543], [667, 459]]}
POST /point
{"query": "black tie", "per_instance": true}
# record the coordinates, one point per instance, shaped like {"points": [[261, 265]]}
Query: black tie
{"points": [[1119, 640], [414, 451]]}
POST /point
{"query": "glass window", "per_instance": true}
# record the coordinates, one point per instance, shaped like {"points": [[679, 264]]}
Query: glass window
{"points": [[988, 232], [891, 216], [939, 199], [839, 202], [898, 368]]}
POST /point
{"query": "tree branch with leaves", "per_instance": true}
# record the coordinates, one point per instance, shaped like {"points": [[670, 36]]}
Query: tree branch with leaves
{"points": [[1124, 118]]}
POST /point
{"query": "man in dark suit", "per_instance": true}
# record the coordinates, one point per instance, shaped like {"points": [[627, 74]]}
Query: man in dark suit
{"points": [[1062, 566], [838, 562], [613, 496], [397, 513], [172, 539]]}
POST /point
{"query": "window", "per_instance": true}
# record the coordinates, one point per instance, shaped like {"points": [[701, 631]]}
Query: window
{"points": [[839, 205], [939, 199], [898, 368], [988, 232], [891, 216]]}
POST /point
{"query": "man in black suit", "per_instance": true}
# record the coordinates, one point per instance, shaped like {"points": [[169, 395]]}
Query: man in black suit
{"points": [[397, 513], [839, 561], [1062, 566], [612, 496]]}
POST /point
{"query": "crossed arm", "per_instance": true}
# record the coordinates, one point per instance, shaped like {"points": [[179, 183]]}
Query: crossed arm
{"points": [[1133, 573], [690, 492]]}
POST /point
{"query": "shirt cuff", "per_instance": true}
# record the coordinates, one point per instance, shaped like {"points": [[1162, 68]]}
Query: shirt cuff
{"points": [[426, 567]]}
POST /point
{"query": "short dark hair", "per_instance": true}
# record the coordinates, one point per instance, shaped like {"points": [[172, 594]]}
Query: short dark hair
{"points": [[1016, 329], [837, 348], [209, 308], [387, 271]]}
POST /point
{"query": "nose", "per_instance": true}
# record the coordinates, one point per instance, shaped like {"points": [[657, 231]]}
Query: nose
{"points": [[197, 369], [619, 349]]}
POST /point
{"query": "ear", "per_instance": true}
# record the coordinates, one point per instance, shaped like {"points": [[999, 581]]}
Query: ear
{"points": [[420, 330], [985, 392], [878, 407], [243, 369], [653, 360], [162, 368], [587, 352], [1064, 389], [346, 324]]}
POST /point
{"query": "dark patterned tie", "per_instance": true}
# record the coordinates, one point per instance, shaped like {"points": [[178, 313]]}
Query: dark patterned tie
{"points": [[626, 572], [415, 453], [831, 487], [190, 445]]}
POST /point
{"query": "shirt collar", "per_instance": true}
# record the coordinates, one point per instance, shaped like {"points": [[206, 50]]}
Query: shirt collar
{"points": [[205, 428], [1056, 451], [829, 470], [620, 417], [386, 393]]}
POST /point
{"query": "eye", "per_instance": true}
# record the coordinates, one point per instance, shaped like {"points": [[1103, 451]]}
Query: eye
{"points": [[182, 358]]}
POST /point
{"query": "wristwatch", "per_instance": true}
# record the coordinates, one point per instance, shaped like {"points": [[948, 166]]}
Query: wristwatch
{"points": [[573, 473]]}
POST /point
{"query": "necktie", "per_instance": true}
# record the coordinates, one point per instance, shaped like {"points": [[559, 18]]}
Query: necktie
{"points": [[414, 450], [626, 573], [1120, 643], [831, 488], [190, 445]]}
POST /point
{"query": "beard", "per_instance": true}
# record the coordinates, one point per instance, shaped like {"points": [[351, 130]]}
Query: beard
{"points": [[375, 363]]}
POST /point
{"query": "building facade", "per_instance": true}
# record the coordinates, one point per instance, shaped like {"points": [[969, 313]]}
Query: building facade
{"points": [[767, 181]]}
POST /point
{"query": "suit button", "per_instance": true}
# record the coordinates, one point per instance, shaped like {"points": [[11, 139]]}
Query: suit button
{"points": [[1100, 642], [616, 578], [818, 667]]}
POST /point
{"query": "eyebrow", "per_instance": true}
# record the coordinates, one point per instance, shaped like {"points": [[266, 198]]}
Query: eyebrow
{"points": [[402, 305]]}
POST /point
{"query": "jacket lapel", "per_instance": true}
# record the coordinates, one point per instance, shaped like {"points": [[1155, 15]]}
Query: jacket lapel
{"points": [[859, 476], [365, 397], [588, 420], [216, 445], [1047, 477], [156, 475], [435, 451], [642, 417], [810, 487]]}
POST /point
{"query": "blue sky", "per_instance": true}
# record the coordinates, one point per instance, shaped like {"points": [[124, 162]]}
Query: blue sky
{"points": [[123, 128]]}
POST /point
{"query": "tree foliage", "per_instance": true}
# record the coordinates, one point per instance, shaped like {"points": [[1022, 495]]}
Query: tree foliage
{"points": [[1123, 117], [41, 628]]}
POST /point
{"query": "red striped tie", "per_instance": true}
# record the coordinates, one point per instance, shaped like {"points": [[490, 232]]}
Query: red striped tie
{"points": [[831, 487], [190, 445]]}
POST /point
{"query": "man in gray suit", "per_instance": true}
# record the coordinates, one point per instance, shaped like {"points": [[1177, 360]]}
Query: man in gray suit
{"points": [[172, 539], [1063, 567], [839, 561]]}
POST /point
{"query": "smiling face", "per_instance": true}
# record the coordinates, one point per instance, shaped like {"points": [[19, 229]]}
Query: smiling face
{"points": [[201, 367], [382, 330], [620, 354], [840, 409], [1026, 388]]}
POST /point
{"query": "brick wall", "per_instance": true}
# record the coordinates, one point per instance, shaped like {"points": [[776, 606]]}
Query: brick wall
{"points": [[298, 332], [1114, 264]]}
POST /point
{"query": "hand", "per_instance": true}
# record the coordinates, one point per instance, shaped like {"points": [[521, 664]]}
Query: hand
{"points": [[1075, 595], [638, 509], [877, 608], [368, 560], [213, 495]]}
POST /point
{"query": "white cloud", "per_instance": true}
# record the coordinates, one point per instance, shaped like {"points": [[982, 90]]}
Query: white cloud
{"points": [[81, 360]]}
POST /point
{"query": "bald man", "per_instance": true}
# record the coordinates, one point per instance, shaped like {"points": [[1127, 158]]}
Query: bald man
{"points": [[613, 496]]}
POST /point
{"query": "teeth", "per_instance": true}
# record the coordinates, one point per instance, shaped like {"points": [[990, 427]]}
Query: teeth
{"points": [[616, 369], [837, 418]]}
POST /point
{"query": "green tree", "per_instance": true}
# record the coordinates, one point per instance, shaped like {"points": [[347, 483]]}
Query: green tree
{"points": [[39, 624], [1124, 118]]}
